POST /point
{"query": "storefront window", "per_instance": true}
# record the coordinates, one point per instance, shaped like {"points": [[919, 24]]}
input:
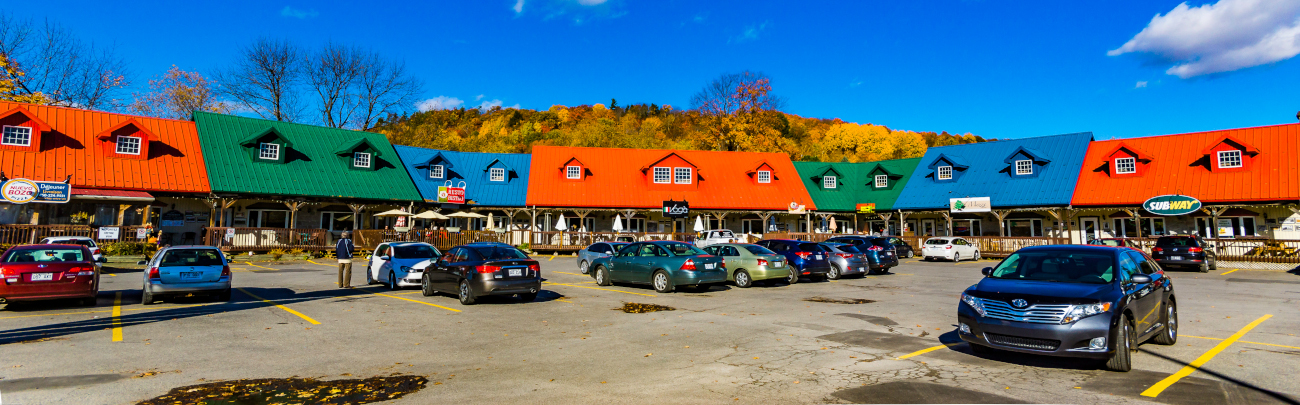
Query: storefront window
{"points": [[966, 227], [105, 214], [1024, 227]]}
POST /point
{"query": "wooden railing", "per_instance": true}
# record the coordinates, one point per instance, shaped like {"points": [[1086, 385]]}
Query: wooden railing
{"points": [[1242, 249], [263, 239], [23, 234], [804, 236], [569, 241]]}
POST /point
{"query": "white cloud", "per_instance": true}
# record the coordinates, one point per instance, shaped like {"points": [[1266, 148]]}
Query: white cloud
{"points": [[1140, 84], [519, 6], [296, 13], [439, 103], [591, 2], [487, 105], [1221, 37], [750, 33], [478, 97]]}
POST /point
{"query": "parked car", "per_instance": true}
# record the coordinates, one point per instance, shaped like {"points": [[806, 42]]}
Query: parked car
{"points": [[664, 265], [1185, 251], [880, 251], [1071, 301], [715, 237], [954, 249], [846, 260], [77, 240], [400, 264], [484, 268], [596, 250], [805, 258], [625, 238], [748, 263], [48, 272], [1114, 242], [183, 270], [901, 248]]}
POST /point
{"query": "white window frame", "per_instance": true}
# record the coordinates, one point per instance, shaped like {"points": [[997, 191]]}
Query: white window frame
{"points": [[1126, 163], [662, 175], [829, 182], [121, 142], [882, 180], [497, 174], [357, 157], [263, 147], [437, 171], [4, 135], [944, 173], [573, 172], [683, 175], [1024, 167], [1228, 154], [764, 176]]}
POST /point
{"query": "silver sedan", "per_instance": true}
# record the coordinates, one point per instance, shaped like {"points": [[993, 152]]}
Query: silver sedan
{"points": [[597, 250]]}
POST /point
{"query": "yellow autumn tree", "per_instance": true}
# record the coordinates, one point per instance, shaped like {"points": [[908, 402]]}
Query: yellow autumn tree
{"points": [[9, 88], [177, 94]]}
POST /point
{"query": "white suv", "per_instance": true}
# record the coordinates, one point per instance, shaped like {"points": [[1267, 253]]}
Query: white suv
{"points": [[77, 240]]}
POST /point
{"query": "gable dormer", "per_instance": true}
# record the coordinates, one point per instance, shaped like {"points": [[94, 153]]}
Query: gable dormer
{"points": [[880, 178], [671, 170], [945, 169], [359, 154], [1025, 163], [1230, 155], [437, 168], [829, 179], [1127, 161], [267, 146], [21, 130], [498, 172], [762, 173], [573, 170], [128, 140]]}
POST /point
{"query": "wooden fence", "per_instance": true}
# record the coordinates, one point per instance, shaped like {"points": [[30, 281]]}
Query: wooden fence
{"points": [[989, 246], [24, 234], [265, 239], [554, 241], [1242, 249]]}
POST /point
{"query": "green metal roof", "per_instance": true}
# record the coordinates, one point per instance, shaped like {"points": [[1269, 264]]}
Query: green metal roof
{"points": [[311, 165], [856, 183]]}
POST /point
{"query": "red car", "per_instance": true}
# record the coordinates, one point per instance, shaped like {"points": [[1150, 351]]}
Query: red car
{"points": [[47, 272]]}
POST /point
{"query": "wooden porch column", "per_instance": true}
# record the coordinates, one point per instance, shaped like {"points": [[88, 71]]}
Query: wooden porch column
{"points": [[1002, 221], [532, 226], [902, 223], [947, 216], [763, 216], [1214, 220], [225, 204], [884, 217], [356, 216], [121, 214], [720, 215], [1057, 217]]}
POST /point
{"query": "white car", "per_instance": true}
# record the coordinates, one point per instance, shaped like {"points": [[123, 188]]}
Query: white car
{"points": [[955, 249], [400, 264], [77, 240], [715, 237]]}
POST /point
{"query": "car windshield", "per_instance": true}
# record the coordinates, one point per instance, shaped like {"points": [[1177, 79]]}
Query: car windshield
{"points": [[1175, 242], [845, 248], [682, 249], [415, 252], [811, 247], [937, 242], [1107, 242], [1067, 266], [191, 257], [500, 253], [759, 250], [43, 255]]}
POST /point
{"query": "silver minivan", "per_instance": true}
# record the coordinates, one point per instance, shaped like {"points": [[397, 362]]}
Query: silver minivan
{"points": [[184, 270]]}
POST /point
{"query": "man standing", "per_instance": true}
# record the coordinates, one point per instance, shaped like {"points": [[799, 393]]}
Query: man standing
{"points": [[343, 250]]}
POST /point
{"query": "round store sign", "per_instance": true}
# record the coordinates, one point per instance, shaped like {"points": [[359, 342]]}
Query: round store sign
{"points": [[1172, 205], [19, 191]]}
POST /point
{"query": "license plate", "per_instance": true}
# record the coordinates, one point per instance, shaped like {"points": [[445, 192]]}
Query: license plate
{"points": [[1175, 258], [190, 275], [819, 257], [516, 272], [42, 276], [709, 266], [778, 264], [888, 254]]}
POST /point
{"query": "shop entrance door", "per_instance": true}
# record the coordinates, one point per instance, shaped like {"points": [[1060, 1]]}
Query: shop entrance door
{"points": [[927, 227], [1090, 229]]}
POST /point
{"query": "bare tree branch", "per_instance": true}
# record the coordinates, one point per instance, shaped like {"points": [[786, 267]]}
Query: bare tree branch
{"points": [[331, 73], [265, 79], [59, 67], [383, 89], [720, 97]]}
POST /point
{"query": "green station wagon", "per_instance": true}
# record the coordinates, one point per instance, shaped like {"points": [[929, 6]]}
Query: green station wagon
{"points": [[747, 263]]}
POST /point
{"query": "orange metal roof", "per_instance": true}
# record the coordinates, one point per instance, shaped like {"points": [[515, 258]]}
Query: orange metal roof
{"points": [[74, 145], [1182, 164], [622, 178]]}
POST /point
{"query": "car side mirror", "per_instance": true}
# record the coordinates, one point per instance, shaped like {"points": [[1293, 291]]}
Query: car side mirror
{"points": [[1140, 278], [141, 263], [385, 258], [988, 271], [102, 259]]}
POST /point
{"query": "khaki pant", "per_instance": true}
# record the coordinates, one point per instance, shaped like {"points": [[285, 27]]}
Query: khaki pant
{"points": [[345, 273]]}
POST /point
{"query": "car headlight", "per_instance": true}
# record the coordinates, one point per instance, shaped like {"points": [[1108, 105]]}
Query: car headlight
{"points": [[974, 303], [1078, 312], [406, 269]]}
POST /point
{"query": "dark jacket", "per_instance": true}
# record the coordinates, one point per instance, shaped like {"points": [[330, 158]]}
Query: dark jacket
{"points": [[343, 249]]}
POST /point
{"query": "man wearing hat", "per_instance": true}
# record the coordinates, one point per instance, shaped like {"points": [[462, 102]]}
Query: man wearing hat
{"points": [[343, 250]]}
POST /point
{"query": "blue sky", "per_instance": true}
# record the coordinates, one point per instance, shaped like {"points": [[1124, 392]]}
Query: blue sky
{"points": [[1004, 69]]}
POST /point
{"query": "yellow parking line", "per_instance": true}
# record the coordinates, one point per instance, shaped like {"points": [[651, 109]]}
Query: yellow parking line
{"points": [[552, 256], [1243, 341], [117, 317], [408, 299], [572, 274], [925, 350], [602, 289], [1200, 361], [103, 311], [1228, 272], [111, 274], [286, 309], [321, 264], [254, 265]]}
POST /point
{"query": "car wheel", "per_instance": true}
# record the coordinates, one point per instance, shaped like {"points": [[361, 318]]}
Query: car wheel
{"points": [[426, 288], [793, 277], [743, 280], [977, 255], [833, 273], [1169, 336], [661, 282], [583, 267], [392, 281], [1204, 268], [529, 297], [147, 297], [910, 254], [466, 293], [602, 276], [956, 257], [1122, 360], [1214, 264], [224, 295], [369, 279]]}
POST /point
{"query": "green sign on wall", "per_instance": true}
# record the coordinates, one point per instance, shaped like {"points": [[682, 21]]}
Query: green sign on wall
{"points": [[1172, 205]]}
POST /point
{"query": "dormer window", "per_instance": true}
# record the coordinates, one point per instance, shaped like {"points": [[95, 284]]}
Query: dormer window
{"points": [[573, 172], [829, 182], [1024, 167], [128, 145], [945, 173], [268, 151], [17, 136], [1229, 159], [882, 181], [436, 172], [663, 175], [764, 176], [682, 175], [497, 174], [361, 160], [1126, 165]]}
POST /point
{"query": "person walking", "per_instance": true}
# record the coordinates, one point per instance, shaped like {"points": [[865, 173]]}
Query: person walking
{"points": [[343, 250]]}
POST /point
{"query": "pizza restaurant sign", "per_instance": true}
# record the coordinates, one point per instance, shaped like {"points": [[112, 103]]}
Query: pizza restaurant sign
{"points": [[1172, 205], [22, 191], [451, 195]]}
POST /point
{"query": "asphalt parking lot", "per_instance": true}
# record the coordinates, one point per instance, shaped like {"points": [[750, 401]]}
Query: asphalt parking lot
{"points": [[879, 339]]}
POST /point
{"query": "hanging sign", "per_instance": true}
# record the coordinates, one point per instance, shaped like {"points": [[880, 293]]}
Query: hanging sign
{"points": [[1172, 205], [676, 209], [969, 204], [867, 208], [797, 208], [22, 191], [1225, 228], [448, 194]]}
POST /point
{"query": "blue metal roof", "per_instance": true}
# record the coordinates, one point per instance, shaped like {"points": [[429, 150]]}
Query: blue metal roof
{"points": [[472, 168], [989, 171]]}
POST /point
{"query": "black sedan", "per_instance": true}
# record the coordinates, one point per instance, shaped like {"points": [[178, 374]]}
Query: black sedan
{"points": [[1184, 251], [1071, 301], [484, 268]]}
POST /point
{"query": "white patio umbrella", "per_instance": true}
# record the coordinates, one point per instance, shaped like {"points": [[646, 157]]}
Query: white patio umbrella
{"points": [[618, 223], [833, 226], [393, 213], [699, 223], [561, 224], [489, 220], [429, 215], [466, 215]]}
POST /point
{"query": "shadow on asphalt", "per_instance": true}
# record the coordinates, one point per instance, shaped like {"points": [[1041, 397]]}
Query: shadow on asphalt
{"points": [[914, 392], [1202, 390]]}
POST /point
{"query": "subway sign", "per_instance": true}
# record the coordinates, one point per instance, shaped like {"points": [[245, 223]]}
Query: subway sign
{"points": [[1172, 205]]}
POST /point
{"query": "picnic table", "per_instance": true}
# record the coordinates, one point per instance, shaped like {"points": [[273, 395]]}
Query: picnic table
{"points": [[1273, 249]]}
